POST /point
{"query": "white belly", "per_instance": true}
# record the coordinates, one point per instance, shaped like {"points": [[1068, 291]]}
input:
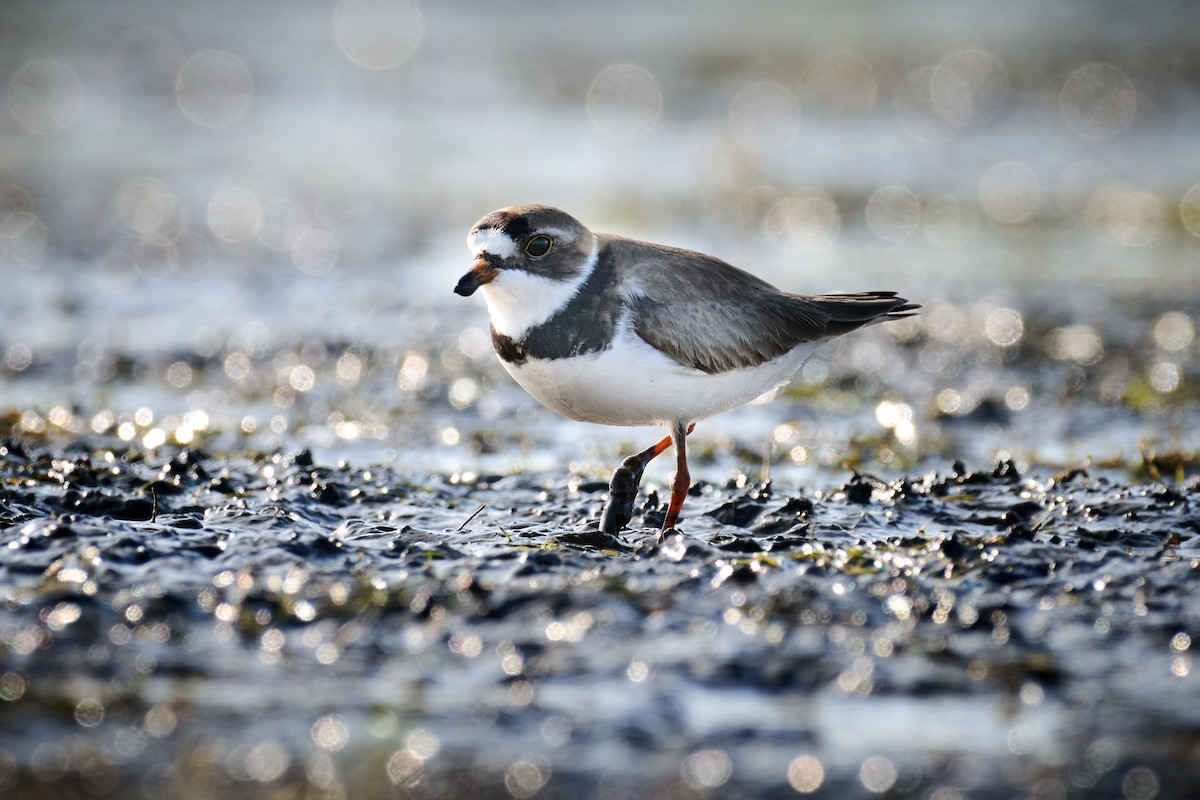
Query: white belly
{"points": [[631, 383]]}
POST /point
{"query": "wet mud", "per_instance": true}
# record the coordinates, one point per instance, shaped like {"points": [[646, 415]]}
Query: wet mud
{"points": [[183, 624], [956, 558]]}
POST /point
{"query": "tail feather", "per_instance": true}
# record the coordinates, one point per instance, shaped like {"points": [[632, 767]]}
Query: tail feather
{"points": [[848, 312]]}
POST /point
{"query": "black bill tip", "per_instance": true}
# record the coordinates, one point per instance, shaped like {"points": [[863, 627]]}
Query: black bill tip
{"points": [[467, 284]]}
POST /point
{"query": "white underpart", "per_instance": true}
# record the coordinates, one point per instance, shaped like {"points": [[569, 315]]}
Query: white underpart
{"points": [[491, 240], [517, 300], [631, 383]]}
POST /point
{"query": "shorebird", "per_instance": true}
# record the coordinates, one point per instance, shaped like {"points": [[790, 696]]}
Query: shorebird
{"points": [[612, 330]]}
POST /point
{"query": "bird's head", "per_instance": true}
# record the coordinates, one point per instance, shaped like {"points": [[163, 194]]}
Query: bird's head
{"points": [[532, 241]]}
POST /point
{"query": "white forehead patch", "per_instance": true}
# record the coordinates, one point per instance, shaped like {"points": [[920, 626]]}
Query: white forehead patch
{"points": [[493, 241]]}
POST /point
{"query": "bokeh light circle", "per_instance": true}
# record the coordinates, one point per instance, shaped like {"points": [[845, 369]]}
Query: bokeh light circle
{"points": [[150, 210], [1174, 331], [45, 96], [624, 101], [877, 774], [764, 117], [526, 777], [315, 251], [809, 221], [214, 88], [378, 34], [893, 213], [234, 214], [1126, 214], [707, 768], [1009, 192], [1098, 101], [806, 774], [968, 86], [1004, 327], [1080, 344], [1189, 210], [24, 240], [1140, 783], [839, 83]]}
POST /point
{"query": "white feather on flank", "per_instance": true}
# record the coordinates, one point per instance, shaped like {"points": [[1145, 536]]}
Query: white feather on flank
{"points": [[491, 240], [633, 384], [517, 300]]}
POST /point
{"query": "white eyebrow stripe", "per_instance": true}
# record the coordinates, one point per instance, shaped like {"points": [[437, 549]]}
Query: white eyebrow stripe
{"points": [[493, 241]]}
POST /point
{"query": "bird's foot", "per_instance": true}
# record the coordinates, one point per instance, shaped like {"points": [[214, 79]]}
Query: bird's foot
{"points": [[622, 491], [623, 488]]}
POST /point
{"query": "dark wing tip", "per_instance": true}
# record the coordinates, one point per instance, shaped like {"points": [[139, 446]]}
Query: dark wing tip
{"points": [[904, 309], [847, 312]]}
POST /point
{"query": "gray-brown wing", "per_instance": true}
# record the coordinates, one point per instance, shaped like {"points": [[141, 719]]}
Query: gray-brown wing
{"points": [[712, 316]]}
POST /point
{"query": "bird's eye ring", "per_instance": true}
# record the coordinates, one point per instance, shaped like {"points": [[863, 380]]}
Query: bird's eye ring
{"points": [[538, 246]]}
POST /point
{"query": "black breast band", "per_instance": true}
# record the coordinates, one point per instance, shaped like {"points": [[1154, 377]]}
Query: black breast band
{"points": [[586, 324]]}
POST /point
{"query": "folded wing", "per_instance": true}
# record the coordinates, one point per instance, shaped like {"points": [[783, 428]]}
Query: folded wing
{"points": [[712, 316]]}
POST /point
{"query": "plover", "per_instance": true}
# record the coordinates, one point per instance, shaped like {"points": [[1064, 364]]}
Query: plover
{"points": [[602, 328]]}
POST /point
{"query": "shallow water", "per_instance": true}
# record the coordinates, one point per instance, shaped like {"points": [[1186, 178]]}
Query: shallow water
{"points": [[273, 519]]}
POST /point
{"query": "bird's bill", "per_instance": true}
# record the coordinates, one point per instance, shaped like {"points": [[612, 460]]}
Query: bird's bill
{"points": [[481, 272]]}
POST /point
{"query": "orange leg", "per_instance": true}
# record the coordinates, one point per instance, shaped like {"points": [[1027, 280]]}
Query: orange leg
{"points": [[655, 450], [682, 480], [623, 487]]}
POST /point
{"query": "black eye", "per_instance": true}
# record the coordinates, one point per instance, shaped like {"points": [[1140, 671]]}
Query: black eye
{"points": [[538, 246]]}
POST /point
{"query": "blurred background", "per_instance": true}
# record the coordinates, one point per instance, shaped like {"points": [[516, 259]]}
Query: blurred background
{"points": [[237, 224], [245, 219]]}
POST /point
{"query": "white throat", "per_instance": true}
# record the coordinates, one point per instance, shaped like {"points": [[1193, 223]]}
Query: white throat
{"points": [[518, 300]]}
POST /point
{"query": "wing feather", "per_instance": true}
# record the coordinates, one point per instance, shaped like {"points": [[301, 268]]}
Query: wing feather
{"points": [[712, 316]]}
